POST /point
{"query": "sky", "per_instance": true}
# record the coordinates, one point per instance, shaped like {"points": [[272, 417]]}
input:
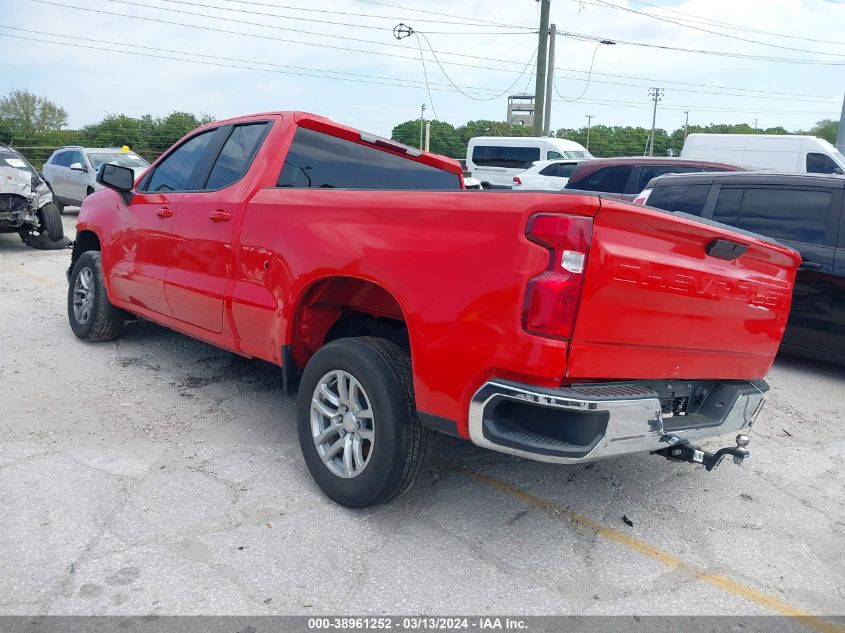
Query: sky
{"points": [[339, 58]]}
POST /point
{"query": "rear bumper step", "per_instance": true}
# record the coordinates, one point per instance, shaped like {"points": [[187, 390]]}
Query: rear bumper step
{"points": [[592, 421]]}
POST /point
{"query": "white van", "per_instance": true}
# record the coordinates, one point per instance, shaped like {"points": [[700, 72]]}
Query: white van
{"points": [[495, 160], [800, 154]]}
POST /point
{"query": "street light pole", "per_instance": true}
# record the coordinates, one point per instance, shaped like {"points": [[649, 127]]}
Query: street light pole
{"points": [[590, 118], [686, 124], [540, 86]]}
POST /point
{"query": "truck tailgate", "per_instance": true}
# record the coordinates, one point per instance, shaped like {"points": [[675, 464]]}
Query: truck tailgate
{"points": [[655, 304]]}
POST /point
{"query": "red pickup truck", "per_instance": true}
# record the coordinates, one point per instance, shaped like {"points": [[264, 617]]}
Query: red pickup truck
{"points": [[558, 327]]}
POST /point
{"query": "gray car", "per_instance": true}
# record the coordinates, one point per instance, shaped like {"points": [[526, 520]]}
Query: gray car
{"points": [[71, 171]]}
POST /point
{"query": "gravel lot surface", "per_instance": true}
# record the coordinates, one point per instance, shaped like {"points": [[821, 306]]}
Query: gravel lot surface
{"points": [[159, 475]]}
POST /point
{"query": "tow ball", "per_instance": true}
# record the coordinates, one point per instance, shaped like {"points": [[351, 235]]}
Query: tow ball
{"points": [[680, 450]]}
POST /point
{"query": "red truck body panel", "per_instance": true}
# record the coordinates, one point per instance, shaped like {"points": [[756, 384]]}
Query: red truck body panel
{"points": [[453, 265]]}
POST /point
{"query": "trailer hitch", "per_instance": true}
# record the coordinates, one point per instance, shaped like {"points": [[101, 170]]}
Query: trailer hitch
{"points": [[680, 450]]}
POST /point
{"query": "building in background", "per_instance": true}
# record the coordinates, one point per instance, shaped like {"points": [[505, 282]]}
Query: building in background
{"points": [[521, 110]]}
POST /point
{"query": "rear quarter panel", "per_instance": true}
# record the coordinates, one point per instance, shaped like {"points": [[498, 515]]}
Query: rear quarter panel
{"points": [[456, 262]]}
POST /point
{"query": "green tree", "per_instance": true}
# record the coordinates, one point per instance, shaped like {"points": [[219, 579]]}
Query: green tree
{"points": [[826, 129], [26, 115], [443, 137]]}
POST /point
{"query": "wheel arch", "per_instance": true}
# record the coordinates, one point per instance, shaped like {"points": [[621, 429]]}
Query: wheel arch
{"points": [[86, 240], [339, 306]]}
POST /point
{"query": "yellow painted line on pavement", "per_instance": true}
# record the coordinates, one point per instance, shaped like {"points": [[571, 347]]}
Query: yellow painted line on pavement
{"points": [[670, 560], [45, 283]]}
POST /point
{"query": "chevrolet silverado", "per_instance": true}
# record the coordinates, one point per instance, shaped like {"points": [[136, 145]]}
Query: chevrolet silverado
{"points": [[558, 327]]}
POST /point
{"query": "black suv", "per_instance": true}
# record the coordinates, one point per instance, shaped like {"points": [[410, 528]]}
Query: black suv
{"points": [[804, 212]]}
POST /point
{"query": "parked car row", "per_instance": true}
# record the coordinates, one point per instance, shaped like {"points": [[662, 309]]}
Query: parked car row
{"points": [[71, 171]]}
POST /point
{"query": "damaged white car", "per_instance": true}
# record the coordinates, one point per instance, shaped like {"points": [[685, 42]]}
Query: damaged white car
{"points": [[26, 203]]}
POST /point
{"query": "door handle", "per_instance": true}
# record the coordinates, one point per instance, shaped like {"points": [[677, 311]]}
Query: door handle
{"points": [[808, 265], [220, 216], [164, 212]]}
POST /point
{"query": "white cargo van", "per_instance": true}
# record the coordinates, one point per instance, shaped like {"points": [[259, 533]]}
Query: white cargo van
{"points": [[495, 160], [801, 154]]}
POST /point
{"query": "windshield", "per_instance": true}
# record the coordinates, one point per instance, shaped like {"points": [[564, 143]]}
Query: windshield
{"points": [[10, 158], [124, 159]]}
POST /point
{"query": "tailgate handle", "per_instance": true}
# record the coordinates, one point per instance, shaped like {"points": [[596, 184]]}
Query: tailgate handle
{"points": [[806, 264], [725, 249]]}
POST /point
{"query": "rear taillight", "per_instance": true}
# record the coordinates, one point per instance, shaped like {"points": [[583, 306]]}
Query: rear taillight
{"points": [[642, 198], [516, 180], [551, 298]]}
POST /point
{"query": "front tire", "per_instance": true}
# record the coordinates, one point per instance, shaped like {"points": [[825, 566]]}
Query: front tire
{"points": [[92, 317], [51, 221], [357, 422]]}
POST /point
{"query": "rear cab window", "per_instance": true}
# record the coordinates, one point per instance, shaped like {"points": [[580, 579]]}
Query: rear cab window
{"points": [[321, 161]]}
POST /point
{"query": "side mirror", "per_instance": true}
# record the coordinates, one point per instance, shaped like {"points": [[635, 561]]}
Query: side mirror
{"points": [[78, 167], [121, 179]]}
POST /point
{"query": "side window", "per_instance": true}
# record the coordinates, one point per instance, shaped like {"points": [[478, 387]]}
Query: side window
{"points": [[60, 159], [75, 157], [501, 156], [727, 206], [317, 160], [553, 155], [604, 180], [174, 173], [821, 164], [787, 214], [551, 170], [565, 170], [236, 156], [684, 198], [647, 172]]}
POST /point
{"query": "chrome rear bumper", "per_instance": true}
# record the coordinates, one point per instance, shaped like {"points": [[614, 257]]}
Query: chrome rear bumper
{"points": [[592, 421]]}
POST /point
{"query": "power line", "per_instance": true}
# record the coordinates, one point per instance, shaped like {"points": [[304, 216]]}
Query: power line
{"points": [[589, 78], [450, 63], [291, 17], [699, 51], [257, 35], [365, 79], [464, 21], [728, 25], [439, 13], [570, 34], [608, 5]]}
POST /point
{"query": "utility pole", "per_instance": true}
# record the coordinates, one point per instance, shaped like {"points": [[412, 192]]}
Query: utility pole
{"points": [[590, 118], [755, 124], [840, 136], [686, 124], [540, 86], [427, 134], [550, 78], [422, 118], [656, 94]]}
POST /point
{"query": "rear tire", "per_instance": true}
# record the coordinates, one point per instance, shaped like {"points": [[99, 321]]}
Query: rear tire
{"points": [[51, 221], [60, 206], [92, 317], [379, 459]]}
